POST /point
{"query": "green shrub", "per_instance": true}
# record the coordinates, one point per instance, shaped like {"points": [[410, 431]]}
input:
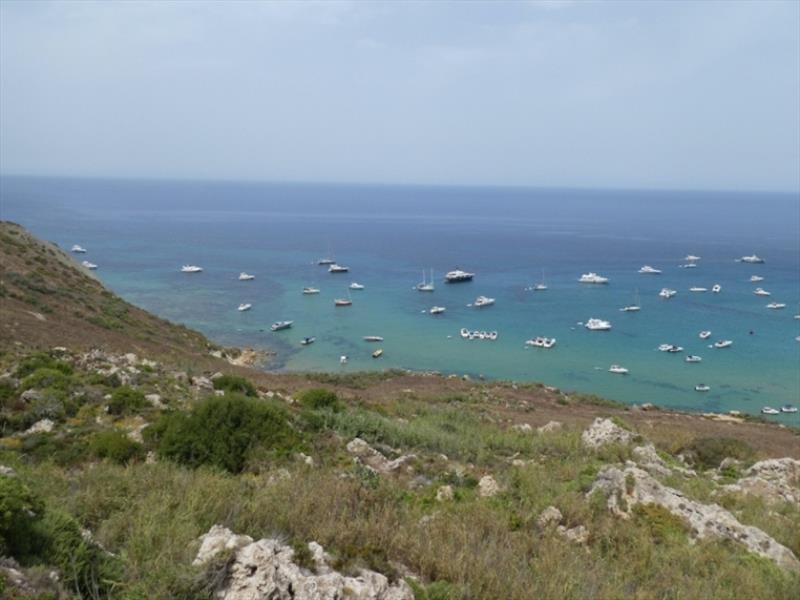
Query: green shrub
{"points": [[438, 590], [708, 453], [45, 377], [42, 360], [661, 523], [320, 399], [223, 432], [7, 392], [126, 400], [20, 509], [232, 383], [115, 446]]}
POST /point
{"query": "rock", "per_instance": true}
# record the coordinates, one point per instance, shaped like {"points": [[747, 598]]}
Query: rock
{"points": [[180, 376], [266, 569], [305, 458], [43, 426], [131, 358], [216, 375], [372, 459], [549, 516], [774, 480], [155, 401], [444, 493], [219, 392], [202, 383], [576, 535], [647, 406], [7, 471], [550, 427], [31, 396], [605, 431], [487, 487], [151, 458], [522, 428], [647, 458], [729, 463], [628, 486]]}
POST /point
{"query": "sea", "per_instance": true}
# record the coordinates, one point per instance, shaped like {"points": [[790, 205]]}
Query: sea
{"points": [[140, 233]]}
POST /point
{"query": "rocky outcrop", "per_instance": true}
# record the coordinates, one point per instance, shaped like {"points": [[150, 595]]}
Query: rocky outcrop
{"points": [[522, 428], [629, 486], [647, 458], [774, 480], [367, 456], [488, 487], [577, 535], [550, 516], [266, 569], [605, 431], [550, 427], [43, 426]]}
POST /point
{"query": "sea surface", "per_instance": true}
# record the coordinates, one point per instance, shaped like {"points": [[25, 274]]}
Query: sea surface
{"points": [[141, 232]]}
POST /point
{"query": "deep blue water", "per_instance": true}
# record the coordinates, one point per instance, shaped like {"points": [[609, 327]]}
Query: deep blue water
{"points": [[141, 232]]}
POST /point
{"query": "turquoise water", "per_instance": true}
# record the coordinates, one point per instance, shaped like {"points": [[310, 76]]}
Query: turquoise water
{"points": [[140, 233]]}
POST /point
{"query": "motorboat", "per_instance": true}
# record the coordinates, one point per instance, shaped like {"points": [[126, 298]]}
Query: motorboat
{"points": [[356, 286], [716, 288], [478, 335], [648, 270], [378, 353], [788, 408], [597, 325], [667, 293], [89, 265], [723, 344], [465, 333], [701, 387], [343, 359], [342, 302], [280, 325], [424, 285], [698, 289], [244, 307], [689, 266], [776, 305], [704, 335], [482, 301], [753, 259], [761, 292], [670, 348], [618, 370], [78, 249], [539, 287], [691, 258], [756, 278], [592, 277], [310, 290], [492, 335], [191, 269], [692, 358], [326, 261], [541, 342], [635, 307], [307, 341], [372, 338], [334, 268], [246, 276], [437, 310], [768, 410], [458, 276]]}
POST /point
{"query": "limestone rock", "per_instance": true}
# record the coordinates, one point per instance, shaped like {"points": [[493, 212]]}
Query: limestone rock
{"points": [[647, 457], [550, 427], [628, 486], [217, 539], [488, 487], [372, 459], [31, 395], [549, 516], [774, 480], [7, 471], [43, 426], [444, 493], [605, 431], [155, 401], [522, 428], [576, 535], [202, 383]]}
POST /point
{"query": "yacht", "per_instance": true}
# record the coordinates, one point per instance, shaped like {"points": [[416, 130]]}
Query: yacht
{"points": [[326, 261], [592, 277], [701, 387], [716, 288], [788, 408], [310, 290], [691, 258], [335, 268], [618, 370], [191, 269], [541, 342], [597, 325], [279, 325], [89, 265], [672, 348], [704, 335], [689, 266], [356, 286], [761, 292], [244, 307], [753, 260], [648, 270], [667, 293], [723, 344], [372, 338], [246, 276], [458, 276], [307, 341], [437, 310], [698, 289], [342, 302], [482, 301], [768, 410], [541, 286], [756, 278], [378, 353], [692, 358], [633, 307], [776, 305], [425, 286], [78, 249]]}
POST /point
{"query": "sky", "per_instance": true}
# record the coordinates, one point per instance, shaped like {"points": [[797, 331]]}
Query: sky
{"points": [[674, 95]]}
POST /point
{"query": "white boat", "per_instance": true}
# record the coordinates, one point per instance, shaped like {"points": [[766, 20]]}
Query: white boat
{"points": [[191, 269], [756, 278], [89, 265], [768, 410], [670, 348], [698, 289], [691, 258], [541, 286], [692, 358], [618, 370], [482, 301], [776, 305], [635, 307], [723, 344], [704, 335], [424, 285], [752, 259], [478, 335], [437, 310], [716, 288], [343, 359], [458, 276], [356, 286], [592, 277], [342, 302], [541, 342], [667, 293], [78, 249], [307, 341], [310, 290], [334, 268], [243, 307], [279, 325], [761, 292], [701, 387], [378, 353], [597, 325], [246, 276], [372, 338], [689, 266], [788, 408], [648, 270], [326, 261]]}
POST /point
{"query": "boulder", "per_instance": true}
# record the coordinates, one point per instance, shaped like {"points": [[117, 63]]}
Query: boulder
{"points": [[202, 383], [217, 539], [549, 516], [577, 535], [31, 396], [605, 431], [774, 480], [43, 426], [488, 487], [522, 428], [629, 486], [445, 493], [647, 457], [550, 427], [155, 401], [367, 456]]}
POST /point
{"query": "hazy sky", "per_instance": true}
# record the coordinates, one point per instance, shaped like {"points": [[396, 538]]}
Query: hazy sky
{"points": [[630, 94]]}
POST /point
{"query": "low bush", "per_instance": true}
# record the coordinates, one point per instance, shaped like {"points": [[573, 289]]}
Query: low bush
{"points": [[232, 383], [708, 453], [320, 399], [20, 509], [42, 360], [126, 400], [115, 446], [662, 524], [46, 377]]}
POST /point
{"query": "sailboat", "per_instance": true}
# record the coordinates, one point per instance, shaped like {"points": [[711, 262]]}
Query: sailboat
{"points": [[635, 307], [425, 286], [539, 287]]}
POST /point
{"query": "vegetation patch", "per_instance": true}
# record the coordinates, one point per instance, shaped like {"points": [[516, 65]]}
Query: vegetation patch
{"points": [[708, 453], [235, 384]]}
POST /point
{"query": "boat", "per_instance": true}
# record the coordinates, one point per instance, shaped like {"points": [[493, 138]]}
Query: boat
{"points": [[756, 278], [478, 335], [482, 301], [597, 325], [191, 269], [541, 286], [541, 342], [768, 410], [704, 335], [246, 276], [692, 358], [372, 338], [342, 302], [752, 259], [618, 370], [335, 268], [716, 288], [307, 341], [788, 408], [667, 293], [592, 277], [425, 286], [698, 289], [688, 266], [279, 325], [691, 258], [326, 261], [89, 265], [635, 307], [356, 286], [723, 344], [378, 353], [244, 307], [492, 335], [648, 270], [761, 292], [78, 249], [437, 310], [776, 305], [701, 387], [458, 276], [670, 348], [343, 359], [310, 290]]}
